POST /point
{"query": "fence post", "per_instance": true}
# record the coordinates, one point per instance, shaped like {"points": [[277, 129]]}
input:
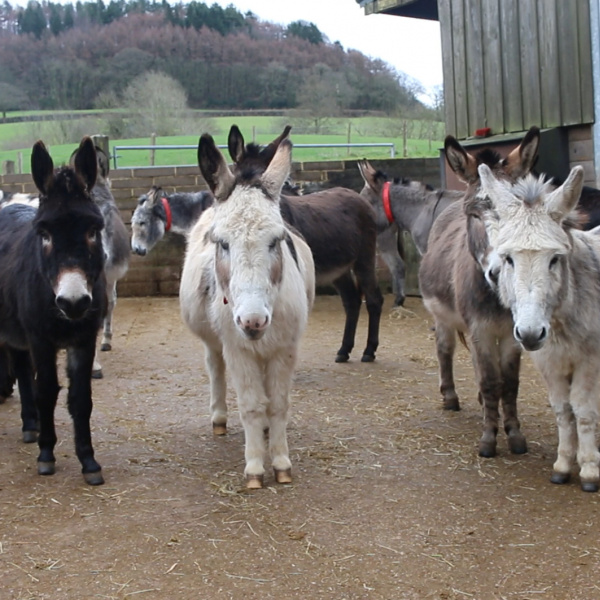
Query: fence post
{"points": [[8, 167], [152, 152], [19, 162]]}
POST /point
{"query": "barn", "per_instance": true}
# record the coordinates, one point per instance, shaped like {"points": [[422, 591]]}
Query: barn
{"points": [[511, 64]]}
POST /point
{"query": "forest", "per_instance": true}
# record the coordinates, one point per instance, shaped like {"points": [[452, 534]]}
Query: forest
{"points": [[86, 55]]}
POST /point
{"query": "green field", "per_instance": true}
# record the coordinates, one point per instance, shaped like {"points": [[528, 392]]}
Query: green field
{"points": [[62, 137]]}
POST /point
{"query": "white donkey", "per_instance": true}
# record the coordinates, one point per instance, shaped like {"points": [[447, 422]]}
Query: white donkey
{"points": [[548, 274], [246, 290]]}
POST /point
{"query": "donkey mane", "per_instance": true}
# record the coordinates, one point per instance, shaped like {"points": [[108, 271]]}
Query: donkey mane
{"points": [[488, 157]]}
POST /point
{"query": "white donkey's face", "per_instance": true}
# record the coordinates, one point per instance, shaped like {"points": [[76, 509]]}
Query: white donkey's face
{"points": [[249, 235], [530, 248]]}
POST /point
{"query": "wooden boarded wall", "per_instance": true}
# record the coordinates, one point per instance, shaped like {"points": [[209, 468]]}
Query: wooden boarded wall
{"points": [[159, 272], [510, 64]]}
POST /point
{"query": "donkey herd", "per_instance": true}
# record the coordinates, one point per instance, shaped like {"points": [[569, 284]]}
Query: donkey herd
{"points": [[510, 264]]}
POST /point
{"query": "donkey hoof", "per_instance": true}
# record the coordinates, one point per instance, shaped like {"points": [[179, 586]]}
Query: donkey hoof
{"points": [[254, 482], [105, 347], [589, 486], [283, 475], [517, 444], [487, 449], [342, 358], [46, 468], [94, 478], [29, 437], [97, 374], [367, 358], [560, 478], [451, 404], [219, 428]]}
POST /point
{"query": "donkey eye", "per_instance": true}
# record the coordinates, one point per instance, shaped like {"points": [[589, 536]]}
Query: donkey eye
{"points": [[92, 234], [46, 237], [509, 261], [224, 245], [273, 244], [554, 261]]}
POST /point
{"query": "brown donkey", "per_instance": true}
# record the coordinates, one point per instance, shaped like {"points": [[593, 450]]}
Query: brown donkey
{"points": [[460, 298], [339, 226]]}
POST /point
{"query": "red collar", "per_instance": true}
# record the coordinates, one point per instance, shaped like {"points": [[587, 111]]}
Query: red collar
{"points": [[385, 195], [167, 208]]}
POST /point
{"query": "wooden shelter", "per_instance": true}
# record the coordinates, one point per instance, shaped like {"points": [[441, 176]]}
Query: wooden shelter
{"points": [[511, 64]]}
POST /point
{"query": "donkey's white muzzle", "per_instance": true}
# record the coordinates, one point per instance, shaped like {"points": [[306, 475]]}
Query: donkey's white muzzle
{"points": [[73, 296]]}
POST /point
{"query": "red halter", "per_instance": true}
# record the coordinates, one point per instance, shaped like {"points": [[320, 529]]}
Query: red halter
{"points": [[385, 195], [167, 208]]}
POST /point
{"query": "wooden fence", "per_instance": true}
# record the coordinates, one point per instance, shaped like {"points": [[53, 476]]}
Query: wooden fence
{"points": [[159, 273]]}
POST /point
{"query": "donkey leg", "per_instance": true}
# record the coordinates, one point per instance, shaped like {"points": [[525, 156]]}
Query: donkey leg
{"points": [[46, 395], [7, 375], [445, 344], [364, 270], [248, 380], [278, 381], [107, 329], [351, 301], [510, 358], [558, 395], [487, 368], [25, 379], [586, 407], [387, 242], [215, 365], [79, 402]]}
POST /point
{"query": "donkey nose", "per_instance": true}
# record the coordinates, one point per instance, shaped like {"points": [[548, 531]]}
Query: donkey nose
{"points": [[531, 338], [139, 250], [253, 325], [74, 308]]}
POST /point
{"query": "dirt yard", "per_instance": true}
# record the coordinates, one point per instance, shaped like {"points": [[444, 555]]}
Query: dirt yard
{"points": [[389, 500]]}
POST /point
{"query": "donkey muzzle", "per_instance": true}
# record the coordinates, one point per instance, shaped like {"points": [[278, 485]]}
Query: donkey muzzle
{"points": [[531, 338]]}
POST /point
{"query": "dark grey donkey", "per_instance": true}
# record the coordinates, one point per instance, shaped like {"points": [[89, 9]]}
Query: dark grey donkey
{"points": [[115, 240], [460, 298], [402, 205], [157, 213]]}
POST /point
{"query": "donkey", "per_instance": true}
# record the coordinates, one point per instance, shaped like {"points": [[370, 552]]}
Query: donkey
{"points": [[115, 241], [53, 296], [403, 205], [339, 226], [246, 290], [157, 213], [455, 291], [548, 276]]}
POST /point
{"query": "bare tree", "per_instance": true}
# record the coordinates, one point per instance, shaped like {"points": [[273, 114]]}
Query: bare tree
{"points": [[158, 103]]}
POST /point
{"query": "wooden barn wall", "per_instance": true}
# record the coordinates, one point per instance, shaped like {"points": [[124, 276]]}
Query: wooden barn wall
{"points": [[158, 274], [510, 64]]}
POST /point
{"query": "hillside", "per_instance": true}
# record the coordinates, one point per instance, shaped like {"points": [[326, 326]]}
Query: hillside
{"points": [[85, 55]]}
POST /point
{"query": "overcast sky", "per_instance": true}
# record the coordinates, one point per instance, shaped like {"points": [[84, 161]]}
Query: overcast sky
{"points": [[410, 45]]}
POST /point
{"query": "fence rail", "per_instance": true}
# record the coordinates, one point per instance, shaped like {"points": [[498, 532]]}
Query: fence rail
{"points": [[117, 149]]}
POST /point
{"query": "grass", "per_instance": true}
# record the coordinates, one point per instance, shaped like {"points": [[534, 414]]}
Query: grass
{"points": [[62, 137]]}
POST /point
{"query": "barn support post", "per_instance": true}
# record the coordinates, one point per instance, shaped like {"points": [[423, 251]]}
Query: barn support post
{"points": [[595, 31]]}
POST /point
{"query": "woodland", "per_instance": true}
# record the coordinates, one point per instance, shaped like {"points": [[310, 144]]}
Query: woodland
{"points": [[85, 55]]}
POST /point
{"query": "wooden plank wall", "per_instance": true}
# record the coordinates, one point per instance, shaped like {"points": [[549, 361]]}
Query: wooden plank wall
{"points": [[510, 64], [159, 273]]}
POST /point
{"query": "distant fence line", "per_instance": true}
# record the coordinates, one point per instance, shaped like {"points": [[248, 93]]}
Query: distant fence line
{"points": [[153, 148]]}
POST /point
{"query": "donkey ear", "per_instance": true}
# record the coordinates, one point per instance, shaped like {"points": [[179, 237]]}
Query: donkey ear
{"points": [[522, 159], [460, 161], [235, 144], [214, 169], [270, 149], [369, 174], [86, 162], [153, 196], [494, 189], [278, 170], [42, 167], [564, 199]]}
